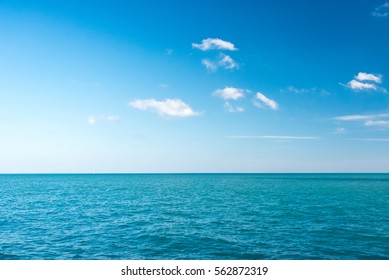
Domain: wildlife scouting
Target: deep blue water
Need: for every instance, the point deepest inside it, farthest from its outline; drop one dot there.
(195, 216)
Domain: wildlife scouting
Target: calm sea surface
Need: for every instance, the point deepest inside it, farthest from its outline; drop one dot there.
(195, 216)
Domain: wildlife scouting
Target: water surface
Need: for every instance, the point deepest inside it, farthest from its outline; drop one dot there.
(194, 216)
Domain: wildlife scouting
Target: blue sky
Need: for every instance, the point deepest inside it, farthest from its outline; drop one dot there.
(194, 86)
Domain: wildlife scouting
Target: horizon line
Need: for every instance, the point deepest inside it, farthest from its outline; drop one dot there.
(193, 173)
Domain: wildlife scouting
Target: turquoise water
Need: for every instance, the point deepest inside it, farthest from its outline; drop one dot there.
(195, 216)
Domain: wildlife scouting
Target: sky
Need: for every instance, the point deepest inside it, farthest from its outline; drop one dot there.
(194, 86)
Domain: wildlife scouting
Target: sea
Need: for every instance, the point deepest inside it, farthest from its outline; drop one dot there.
(194, 217)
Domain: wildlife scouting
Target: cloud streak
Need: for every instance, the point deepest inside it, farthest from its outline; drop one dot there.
(313, 90)
(266, 101)
(380, 120)
(273, 137)
(372, 139)
(354, 117)
(168, 108)
(377, 123)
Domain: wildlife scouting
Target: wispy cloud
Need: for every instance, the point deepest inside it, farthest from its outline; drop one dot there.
(214, 44)
(112, 118)
(297, 90)
(340, 130)
(92, 120)
(266, 101)
(211, 66)
(381, 11)
(377, 123)
(367, 120)
(232, 109)
(227, 62)
(313, 90)
(372, 139)
(273, 137)
(229, 93)
(354, 117)
(168, 107)
(365, 82)
(223, 61)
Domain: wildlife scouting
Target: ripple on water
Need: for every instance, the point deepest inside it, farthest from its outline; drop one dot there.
(210, 216)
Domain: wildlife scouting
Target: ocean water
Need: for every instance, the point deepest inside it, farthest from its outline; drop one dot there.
(194, 216)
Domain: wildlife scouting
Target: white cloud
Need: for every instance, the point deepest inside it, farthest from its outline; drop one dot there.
(91, 120)
(168, 107)
(224, 61)
(356, 85)
(381, 11)
(214, 44)
(368, 77)
(268, 102)
(229, 93)
(298, 91)
(232, 109)
(275, 137)
(367, 120)
(227, 62)
(360, 117)
(112, 118)
(354, 117)
(377, 123)
(313, 90)
(365, 81)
